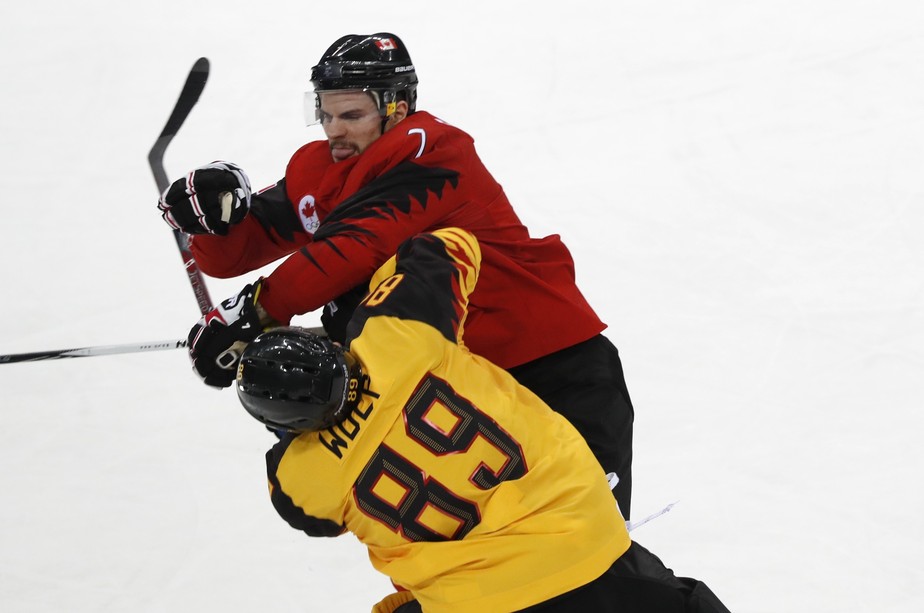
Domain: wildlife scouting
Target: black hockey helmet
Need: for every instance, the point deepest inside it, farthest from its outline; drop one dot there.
(376, 63)
(292, 379)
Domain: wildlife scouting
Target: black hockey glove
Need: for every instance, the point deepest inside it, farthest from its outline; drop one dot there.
(217, 340)
(208, 200)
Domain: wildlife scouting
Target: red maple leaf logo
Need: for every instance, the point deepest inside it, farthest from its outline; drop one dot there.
(308, 209)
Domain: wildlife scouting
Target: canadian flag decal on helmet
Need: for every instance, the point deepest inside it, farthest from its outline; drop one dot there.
(386, 44)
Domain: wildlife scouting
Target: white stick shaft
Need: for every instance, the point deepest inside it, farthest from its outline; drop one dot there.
(83, 352)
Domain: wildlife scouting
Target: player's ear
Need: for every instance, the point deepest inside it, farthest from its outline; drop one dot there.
(398, 116)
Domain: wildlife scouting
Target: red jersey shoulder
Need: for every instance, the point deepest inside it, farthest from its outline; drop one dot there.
(315, 184)
(426, 132)
(304, 174)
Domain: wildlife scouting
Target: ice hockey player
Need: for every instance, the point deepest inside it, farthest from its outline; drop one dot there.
(468, 491)
(386, 172)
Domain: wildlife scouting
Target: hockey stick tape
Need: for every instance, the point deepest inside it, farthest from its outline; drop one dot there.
(227, 201)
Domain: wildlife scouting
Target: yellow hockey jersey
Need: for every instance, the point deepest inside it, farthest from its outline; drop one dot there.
(464, 486)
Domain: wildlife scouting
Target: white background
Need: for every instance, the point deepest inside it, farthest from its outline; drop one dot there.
(740, 184)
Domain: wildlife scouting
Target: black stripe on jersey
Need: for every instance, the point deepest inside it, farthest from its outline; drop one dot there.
(274, 211)
(307, 253)
(394, 191)
(429, 291)
(286, 507)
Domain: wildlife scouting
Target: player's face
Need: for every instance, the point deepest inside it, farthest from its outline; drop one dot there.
(351, 122)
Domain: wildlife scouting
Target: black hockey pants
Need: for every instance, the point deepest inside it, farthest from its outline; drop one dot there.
(638, 582)
(586, 385)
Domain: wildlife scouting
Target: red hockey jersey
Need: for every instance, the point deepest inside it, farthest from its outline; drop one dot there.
(338, 222)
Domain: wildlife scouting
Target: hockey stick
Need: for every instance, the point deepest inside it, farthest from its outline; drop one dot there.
(632, 525)
(83, 352)
(189, 95)
(612, 480)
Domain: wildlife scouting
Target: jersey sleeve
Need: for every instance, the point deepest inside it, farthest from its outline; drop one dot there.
(366, 228)
(284, 504)
(428, 280)
(270, 231)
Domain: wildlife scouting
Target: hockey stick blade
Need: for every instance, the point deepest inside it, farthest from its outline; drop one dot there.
(189, 95)
(85, 352)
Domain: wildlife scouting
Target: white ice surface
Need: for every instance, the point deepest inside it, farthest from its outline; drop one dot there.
(740, 184)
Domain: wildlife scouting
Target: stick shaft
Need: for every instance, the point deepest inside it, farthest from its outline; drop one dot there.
(189, 95)
(85, 352)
